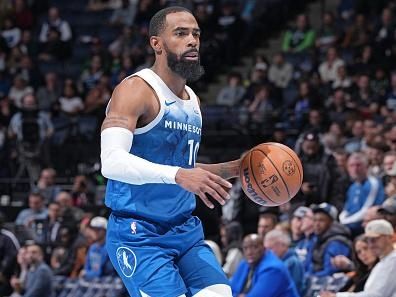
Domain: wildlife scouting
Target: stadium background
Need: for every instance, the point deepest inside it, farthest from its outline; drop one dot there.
(276, 70)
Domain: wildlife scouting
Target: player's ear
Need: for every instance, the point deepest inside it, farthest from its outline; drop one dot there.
(156, 44)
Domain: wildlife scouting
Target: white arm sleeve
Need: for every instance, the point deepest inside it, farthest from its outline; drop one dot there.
(119, 164)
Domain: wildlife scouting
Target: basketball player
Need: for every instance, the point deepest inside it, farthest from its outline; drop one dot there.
(149, 143)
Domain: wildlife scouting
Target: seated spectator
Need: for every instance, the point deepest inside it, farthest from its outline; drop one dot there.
(332, 239)
(9, 247)
(360, 267)
(90, 77)
(70, 103)
(380, 282)
(46, 230)
(365, 191)
(280, 72)
(56, 22)
(328, 69)
(19, 90)
(18, 279)
(231, 240)
(125, 15)
(70, 214)
(305, 244)
(261, 109)
(48, 94)
(23, 15)
(390, 98)
(300, 38)
(46, 185)
(279, 243)
(342, 80)
(82, 192)
(356, 142)
(36, 211)
(97, 263)
(358, 34)
(375, 155)
(295, 224)
(231, 94)
(261, 273)
(11, 33)
(328, 34)
(267, 221)
(388, 211)
(54, 49)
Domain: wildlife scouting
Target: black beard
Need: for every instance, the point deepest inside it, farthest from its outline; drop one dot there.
(191, 71)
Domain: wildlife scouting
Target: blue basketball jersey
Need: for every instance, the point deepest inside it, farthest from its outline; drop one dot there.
(172, 138)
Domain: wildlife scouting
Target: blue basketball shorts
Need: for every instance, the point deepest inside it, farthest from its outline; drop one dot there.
(162, 261)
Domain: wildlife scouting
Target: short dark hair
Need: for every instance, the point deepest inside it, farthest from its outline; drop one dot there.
(157, 22)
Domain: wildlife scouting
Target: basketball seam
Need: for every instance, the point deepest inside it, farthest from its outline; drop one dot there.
(280, 175)
(258, 184)
(298, 168)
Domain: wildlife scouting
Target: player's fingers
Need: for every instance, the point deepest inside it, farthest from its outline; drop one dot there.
(220, 181)
(205, 200)
(215, 195)
(219, 189)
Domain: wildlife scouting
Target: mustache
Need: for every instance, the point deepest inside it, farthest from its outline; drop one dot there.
(195, 51)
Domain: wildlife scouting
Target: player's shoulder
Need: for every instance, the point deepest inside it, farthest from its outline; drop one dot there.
(133, 87)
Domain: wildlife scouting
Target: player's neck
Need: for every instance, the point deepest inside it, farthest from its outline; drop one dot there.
(174, 82)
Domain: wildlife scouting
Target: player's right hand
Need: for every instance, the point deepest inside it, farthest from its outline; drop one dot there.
(202, 182)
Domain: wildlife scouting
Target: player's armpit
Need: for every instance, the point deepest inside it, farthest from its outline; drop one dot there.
(225, 170)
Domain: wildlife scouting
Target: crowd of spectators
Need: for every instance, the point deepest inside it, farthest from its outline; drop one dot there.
(328, 92)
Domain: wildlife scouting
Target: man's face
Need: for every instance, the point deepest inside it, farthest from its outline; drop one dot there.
(307, 222)
(35, 202)
(34, 254)
(253, 249)
(310, 147)
(322, 223)
(265, 224)
(181, 41)
(379, 244)
(357, 170)
(388, 162)
(54, 211)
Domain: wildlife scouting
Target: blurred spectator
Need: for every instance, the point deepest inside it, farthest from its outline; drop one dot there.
(365, 191)
(370, 215)
(9, 247)
(125, 15)
(54, 49)
(97, 98)
(28, 45)
(64, 255)
(126, 42)
(384, 35)
(329, 69)
(82, 195)
(11, 33)
(388, 211)
(70, 103)
(39, 275)
(356, 142)
(90, 77)
(295, 224)
(261, 268)
(231, 94)
(261, 110)
(46, 230)
(23, 15)
(390, 99)
(19, 90)
(332, 239)
(328, 34)
(56, 23)
(300, 38)
(46, 185)
(279, 243)
(231, 240)
(338, 111)
(36, 211)
(305, 244)
(18, 279)
(319, 171)
(342, 80)
(71, 215)
(267, 222)
(98, 263)
(357, 35)
(381, 279)
(375, 155)
(380, 85)
(28, 71)
(280, 72)
(359, 268)
(48, 94)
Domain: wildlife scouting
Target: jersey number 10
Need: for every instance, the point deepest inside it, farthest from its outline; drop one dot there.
(193, 152)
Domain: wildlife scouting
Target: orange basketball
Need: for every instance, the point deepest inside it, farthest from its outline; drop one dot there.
(271, 174)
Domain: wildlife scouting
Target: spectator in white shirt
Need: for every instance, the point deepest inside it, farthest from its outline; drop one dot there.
(70, 103)
(381, 282)
(328, 69)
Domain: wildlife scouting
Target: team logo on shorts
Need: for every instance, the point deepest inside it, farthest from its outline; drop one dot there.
(126, 259)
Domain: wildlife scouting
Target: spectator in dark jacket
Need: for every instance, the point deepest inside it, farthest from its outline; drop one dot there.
(331, 240)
